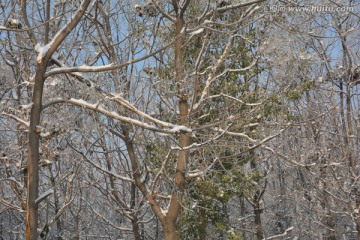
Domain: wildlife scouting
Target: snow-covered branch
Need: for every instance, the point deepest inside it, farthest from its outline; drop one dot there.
(123, 102)
(172, 128)
(45, 52)
(107, 67)
(196, 145)
(214, 69)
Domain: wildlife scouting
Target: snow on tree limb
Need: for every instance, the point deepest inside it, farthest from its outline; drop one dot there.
(172, 128)
(196, 145)
(45, 52)
(123, 102)
(108, 67)
(161, 171)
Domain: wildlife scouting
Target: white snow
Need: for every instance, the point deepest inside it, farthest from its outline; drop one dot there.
(45, 134)
(14, 21)
(164, 211)
(177, 129)
(82, 103)
(142, 124)
(39, 128)
(27, 106)
(252, 125)
(231, 117)
(86, 67)
(200, 30)
(334, 164)
(45, 162)
(41, 50)
(53, 82)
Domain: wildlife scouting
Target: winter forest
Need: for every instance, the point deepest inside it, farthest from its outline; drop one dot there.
(180, 119)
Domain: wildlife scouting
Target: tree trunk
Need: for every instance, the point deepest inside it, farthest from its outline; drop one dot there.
(56, 204)
(257, 212)
(135, 227)
(169, 228)
(202, 224)
(33, 157)
(174, 209)
(256, 202)
(34, 134)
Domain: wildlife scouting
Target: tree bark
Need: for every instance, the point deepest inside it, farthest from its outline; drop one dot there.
(33, 156)
(135, 227)
(169, 228)
(256, 203)
(176, 198)
(257, 212)
(34, 135)
(202, 224)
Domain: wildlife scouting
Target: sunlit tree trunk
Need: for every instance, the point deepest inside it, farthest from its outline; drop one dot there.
(35, 118)
(169, 223)
(33, 156)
